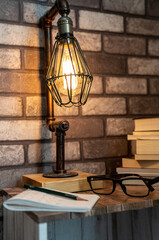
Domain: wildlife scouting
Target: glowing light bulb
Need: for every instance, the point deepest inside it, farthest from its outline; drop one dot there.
(69, 69)
(71, 80)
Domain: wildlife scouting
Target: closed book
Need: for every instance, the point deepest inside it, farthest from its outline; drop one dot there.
(132, 163)
(141, 171)
(145, 157)
(147, 146)
(146, 133)
(73, 184)
(147, 124)
(142, 137)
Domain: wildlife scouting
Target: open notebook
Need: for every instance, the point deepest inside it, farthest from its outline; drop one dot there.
(38, 201)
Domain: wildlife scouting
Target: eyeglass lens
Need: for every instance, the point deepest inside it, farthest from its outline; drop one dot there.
(135, 187)
(102, 186)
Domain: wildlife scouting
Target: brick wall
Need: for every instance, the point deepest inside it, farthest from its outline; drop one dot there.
(120, 42)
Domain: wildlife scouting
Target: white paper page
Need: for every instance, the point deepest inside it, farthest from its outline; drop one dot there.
(30, 200)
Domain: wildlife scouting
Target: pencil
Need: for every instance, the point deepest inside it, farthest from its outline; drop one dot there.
(54, 192)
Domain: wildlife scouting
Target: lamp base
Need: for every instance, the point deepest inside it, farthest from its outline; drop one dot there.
(63, 174)
(74, 184)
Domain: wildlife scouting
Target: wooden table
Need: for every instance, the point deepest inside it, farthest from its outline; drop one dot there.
(114, 217)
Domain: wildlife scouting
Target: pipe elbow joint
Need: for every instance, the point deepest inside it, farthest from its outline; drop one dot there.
(54, 126)
(61, 125)
(62, 6)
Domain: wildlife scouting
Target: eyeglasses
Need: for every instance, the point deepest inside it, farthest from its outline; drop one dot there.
(132, 185)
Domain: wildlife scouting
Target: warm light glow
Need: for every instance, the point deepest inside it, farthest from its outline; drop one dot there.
(70, 67)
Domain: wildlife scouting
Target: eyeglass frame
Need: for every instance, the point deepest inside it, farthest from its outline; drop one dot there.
(118, 178)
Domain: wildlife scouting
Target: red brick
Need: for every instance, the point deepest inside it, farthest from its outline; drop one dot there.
(104, 106)
(21, 82)
(10, 58)
(119, 126)
(142, 26)
(126, 85)
(143, 66)
(23, 130)
(100, 21)
(11, 106)
(102, 63)
(85, 128)
(85, 3)
(153, 7)
(153, 47)
(33, 59)
(126, 6)
(11, 155)
(105, 148)
(89, 167)
(9, 10)
(27, 36)
(154, 86)
(144, 105)
(46, 152)
(124, 45)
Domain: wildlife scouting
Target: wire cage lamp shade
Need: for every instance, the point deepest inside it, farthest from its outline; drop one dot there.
(68, 78)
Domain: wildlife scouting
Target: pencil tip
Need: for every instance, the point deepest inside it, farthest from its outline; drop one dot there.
(82, 199)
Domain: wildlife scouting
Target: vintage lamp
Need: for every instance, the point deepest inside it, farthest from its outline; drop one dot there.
(68, 78)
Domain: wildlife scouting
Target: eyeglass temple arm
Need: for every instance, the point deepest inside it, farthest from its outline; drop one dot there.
(155, 180)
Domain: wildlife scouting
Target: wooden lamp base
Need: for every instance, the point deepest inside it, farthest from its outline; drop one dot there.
(74, 184)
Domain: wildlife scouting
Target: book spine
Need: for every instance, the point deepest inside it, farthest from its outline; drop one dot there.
(151, 172)
(147, 146)
(147, 124)
(146, 157)
(132, 163)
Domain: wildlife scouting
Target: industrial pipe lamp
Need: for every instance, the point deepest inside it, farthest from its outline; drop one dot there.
(68, 78)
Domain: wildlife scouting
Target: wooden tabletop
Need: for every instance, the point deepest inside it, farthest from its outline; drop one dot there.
(116, 202)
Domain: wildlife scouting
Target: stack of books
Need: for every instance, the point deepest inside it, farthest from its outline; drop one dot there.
(146, 157)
